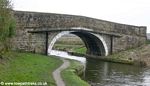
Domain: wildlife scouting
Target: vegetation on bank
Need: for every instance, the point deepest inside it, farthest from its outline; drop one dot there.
(137, 56)
(28, 67)
(71, 48)
(148, 41)
(81, 50)
(7, 26)
(70, 75)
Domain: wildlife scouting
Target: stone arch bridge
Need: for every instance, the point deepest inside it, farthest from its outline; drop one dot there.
(37, 32)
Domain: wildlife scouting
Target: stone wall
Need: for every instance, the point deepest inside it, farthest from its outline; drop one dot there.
(24, 41)
(57, 21)
(127, 42)
(131, 36)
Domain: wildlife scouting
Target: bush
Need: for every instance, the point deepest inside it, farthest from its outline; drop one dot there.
(7, 25)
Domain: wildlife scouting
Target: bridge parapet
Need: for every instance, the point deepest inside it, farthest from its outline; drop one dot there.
(57, 21)
(117, 36)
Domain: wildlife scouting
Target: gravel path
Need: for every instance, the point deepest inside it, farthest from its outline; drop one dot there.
(57, 73)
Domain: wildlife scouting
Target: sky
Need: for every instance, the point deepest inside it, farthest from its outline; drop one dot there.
(132, 12)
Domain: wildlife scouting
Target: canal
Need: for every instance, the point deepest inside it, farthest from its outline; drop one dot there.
(99, 73)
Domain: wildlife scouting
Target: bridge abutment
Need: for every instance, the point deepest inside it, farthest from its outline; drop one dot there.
(35, 31)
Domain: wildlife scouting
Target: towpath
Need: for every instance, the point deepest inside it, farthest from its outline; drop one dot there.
(57, 73)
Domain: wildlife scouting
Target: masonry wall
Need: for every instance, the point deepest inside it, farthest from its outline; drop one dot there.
(127, 42)
(24, 41)
(57, 21)
(131, 36)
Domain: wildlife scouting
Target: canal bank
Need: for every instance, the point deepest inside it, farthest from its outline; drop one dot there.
(70, 76)
(102, 73)
(132, 70)
(136, 56)
(57, 73)
(29, 67)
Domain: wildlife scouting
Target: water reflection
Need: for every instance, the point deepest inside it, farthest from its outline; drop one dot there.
(100, 73)
(64, 54)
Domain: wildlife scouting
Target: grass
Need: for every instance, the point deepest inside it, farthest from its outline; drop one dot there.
(65, 46)
(27, 67)
(81, 50)
(148, 42)
(70, 75)
(131, 56)
(74, 48)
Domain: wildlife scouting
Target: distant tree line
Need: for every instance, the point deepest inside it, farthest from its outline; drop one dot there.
(7, 26)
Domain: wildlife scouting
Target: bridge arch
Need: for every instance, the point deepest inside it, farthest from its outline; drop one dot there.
(95, 44)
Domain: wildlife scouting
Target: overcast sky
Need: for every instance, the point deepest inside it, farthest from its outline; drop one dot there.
(133, 12)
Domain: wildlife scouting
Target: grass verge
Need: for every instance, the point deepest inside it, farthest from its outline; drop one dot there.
(74, 48)
(70, 75)
(81, 50)
(27, 67)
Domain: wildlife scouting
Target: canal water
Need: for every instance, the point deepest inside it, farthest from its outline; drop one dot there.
(64, 54)
(99, 73)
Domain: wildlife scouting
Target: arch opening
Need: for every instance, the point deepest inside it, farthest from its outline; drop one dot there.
(70, 43)
(95, 44)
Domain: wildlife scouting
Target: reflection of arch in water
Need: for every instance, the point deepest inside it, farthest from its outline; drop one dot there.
(94, 43)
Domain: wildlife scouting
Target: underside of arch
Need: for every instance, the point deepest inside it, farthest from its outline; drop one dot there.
(94, 45)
